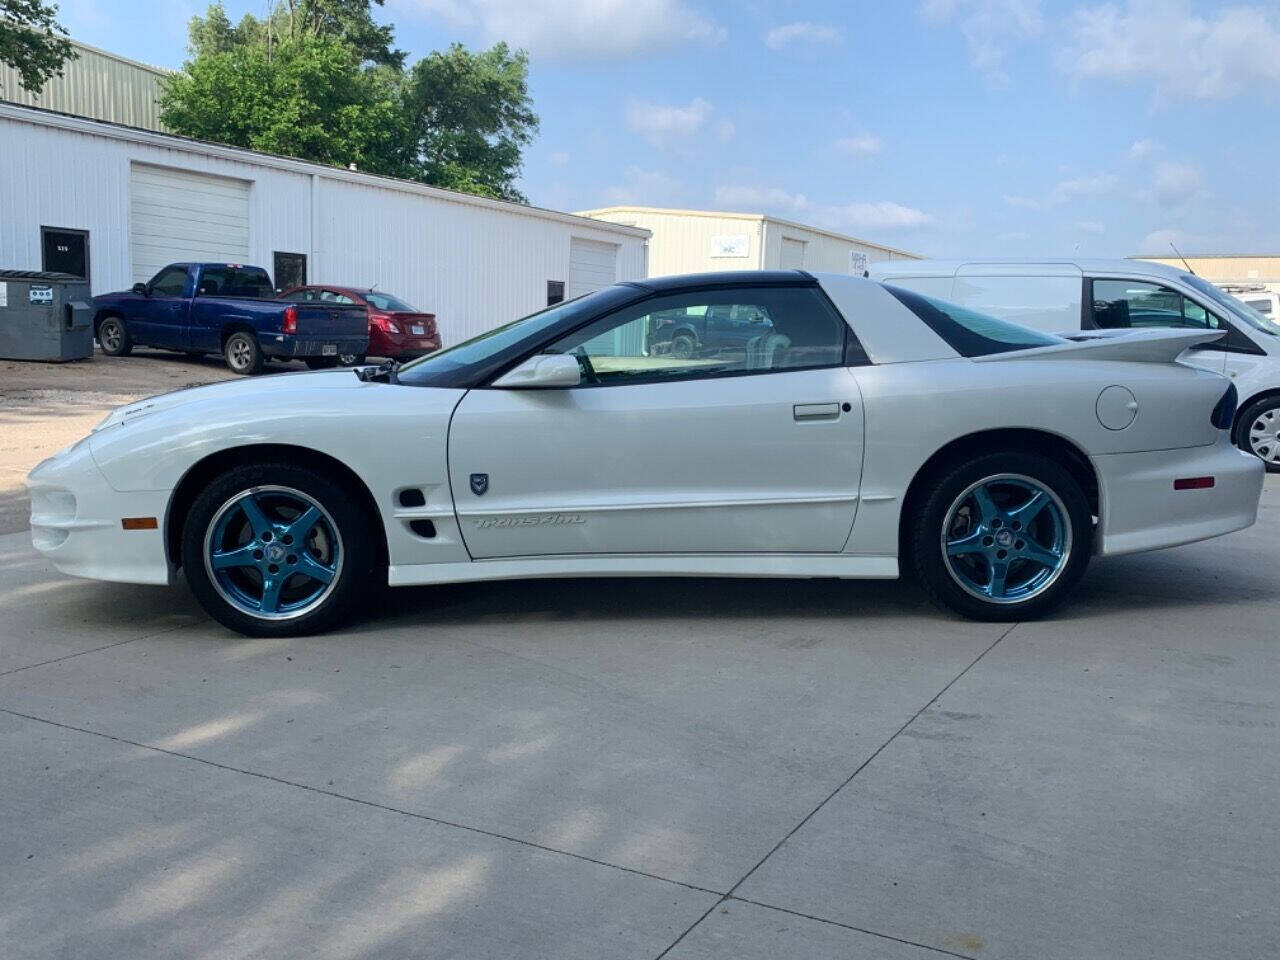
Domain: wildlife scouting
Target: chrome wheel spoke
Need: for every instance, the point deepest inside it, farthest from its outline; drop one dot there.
(1041, 555)
(271, 593)
(1031, 509)
(986, 506)
(301, 525)
(970, 543)
(996, 585)
(253, 512)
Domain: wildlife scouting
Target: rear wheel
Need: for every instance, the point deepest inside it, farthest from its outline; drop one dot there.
(276, 550)
(1259, 431)
(113, 337)
(1003, 537)
(243, 354)
(683, 346)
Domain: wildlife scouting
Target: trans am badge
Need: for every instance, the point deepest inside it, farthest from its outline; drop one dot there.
(479, 484)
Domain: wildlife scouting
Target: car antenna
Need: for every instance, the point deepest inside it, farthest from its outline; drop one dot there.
(1182, 258)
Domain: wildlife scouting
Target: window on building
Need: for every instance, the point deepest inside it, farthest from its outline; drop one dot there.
(555, 292)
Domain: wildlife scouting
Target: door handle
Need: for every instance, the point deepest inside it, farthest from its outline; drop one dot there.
(806, 412)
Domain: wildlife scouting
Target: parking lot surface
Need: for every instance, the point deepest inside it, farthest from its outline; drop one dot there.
(657, 768)
(689, 769)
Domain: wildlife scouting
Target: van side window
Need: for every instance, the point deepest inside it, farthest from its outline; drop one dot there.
(1125, 304)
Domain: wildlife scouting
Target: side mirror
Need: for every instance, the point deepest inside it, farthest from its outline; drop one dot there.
(141, 288)
(544, 370)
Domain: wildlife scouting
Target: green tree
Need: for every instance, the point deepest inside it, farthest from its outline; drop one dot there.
(469, 117)
(32, 41)
(320, 80)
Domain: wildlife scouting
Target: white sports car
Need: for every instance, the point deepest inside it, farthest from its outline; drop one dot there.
(806, 426)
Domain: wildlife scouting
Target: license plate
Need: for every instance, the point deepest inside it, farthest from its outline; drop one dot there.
(417, 330)
(329, 350)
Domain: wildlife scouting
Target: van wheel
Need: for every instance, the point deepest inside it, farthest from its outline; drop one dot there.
(243, 354)
(113, 337)
(1003, 537)
(1259, 432)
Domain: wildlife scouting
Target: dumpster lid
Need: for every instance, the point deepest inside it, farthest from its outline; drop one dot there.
(44, 276)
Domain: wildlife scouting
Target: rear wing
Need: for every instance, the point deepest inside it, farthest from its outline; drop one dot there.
(1134, 346)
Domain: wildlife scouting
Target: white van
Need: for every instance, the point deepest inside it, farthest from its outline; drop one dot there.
(1066, 296)
(1256, 296)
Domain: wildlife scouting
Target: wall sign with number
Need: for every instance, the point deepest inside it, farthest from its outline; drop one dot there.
(736, 245)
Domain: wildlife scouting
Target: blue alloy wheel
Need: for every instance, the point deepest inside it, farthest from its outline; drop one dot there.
(1006, 539)
(273, 553)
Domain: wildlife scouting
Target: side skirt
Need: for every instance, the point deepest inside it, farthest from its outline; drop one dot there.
(653, 565)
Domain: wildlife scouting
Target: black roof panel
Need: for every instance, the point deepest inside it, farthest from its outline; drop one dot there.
(724, 278)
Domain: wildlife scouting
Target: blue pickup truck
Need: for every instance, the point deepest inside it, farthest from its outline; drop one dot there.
(230, 309)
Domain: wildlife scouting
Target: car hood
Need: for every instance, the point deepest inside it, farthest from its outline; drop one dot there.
(249, 391)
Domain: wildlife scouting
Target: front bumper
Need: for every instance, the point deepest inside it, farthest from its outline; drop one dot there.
(1141, 510)
(76, 521)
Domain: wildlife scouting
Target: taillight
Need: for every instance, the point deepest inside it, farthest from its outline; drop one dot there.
(1224, 414)
(385, 323)
(290, 319)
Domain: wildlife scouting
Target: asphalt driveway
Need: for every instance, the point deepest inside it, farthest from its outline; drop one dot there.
(689, 769)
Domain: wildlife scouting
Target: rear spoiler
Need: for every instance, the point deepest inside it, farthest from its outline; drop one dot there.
(1134, 346)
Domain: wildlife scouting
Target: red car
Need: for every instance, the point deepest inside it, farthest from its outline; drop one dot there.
(396, 330)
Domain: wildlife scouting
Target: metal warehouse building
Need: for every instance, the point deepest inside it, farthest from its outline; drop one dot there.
(693, 241)
(115, 203)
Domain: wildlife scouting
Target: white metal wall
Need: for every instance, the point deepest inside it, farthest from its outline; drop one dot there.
(475, 263)
(96, 84)
(179, 215)
(823, 252)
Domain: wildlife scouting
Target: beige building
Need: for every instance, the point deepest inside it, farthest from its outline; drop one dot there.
(98, 85)
(1244, 270)
(696, 241)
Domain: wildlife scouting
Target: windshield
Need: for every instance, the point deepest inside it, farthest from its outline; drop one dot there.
(967, 332)
(469, 363)
(1238, 309)
(385, 301)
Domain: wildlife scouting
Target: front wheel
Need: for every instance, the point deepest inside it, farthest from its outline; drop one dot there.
(1003, 537)
(275, 549)
(243, 354)
(113, 337)
(1259, 432)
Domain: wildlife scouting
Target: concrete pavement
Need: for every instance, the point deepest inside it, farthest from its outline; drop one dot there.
(688, 769)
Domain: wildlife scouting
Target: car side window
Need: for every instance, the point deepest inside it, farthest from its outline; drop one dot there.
(1125, 304)
(301, 296)
(676, 337)
(170, 282)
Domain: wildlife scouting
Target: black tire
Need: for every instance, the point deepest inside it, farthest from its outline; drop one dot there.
(683, 346)
(355, 545)
(320, 363)
(242, 353)
(931, 526)
(1262, 416)
(113, 337)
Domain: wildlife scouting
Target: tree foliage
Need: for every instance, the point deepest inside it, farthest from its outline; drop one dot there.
(32, 41)
(321, 80)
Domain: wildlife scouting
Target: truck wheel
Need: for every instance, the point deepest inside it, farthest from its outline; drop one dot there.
(683, 346)
(276, 549)
(243, 354)
(113, 337)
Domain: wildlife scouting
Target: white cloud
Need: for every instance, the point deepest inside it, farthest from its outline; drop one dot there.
(1065, 191)
(1156, 243)
(594, 29)
(1026, 203)
(1176, 183)
(802, 31)
(663, 123)
(559, 158)
(1184, 55)
(862, 145)
(989, 27)
(881, 215)
(1095, 227)
(1141, 149)
(649, 188)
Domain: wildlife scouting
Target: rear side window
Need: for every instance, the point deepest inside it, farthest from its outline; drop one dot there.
(232, 281)
(1130, 304)
(967, 332)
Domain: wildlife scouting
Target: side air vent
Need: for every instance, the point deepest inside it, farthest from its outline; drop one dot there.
(423, 528)
(412, 497)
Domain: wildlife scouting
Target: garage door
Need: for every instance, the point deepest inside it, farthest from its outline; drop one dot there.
(177, 215)
(792, 254)
(592, 265)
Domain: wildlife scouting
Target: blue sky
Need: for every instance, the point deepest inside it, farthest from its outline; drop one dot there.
(948, 127)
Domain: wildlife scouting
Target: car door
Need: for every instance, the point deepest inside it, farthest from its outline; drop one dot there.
(157, 319)
(748, 448)
(1116, 303)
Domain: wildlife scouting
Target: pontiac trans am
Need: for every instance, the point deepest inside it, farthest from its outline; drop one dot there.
(856, 430)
